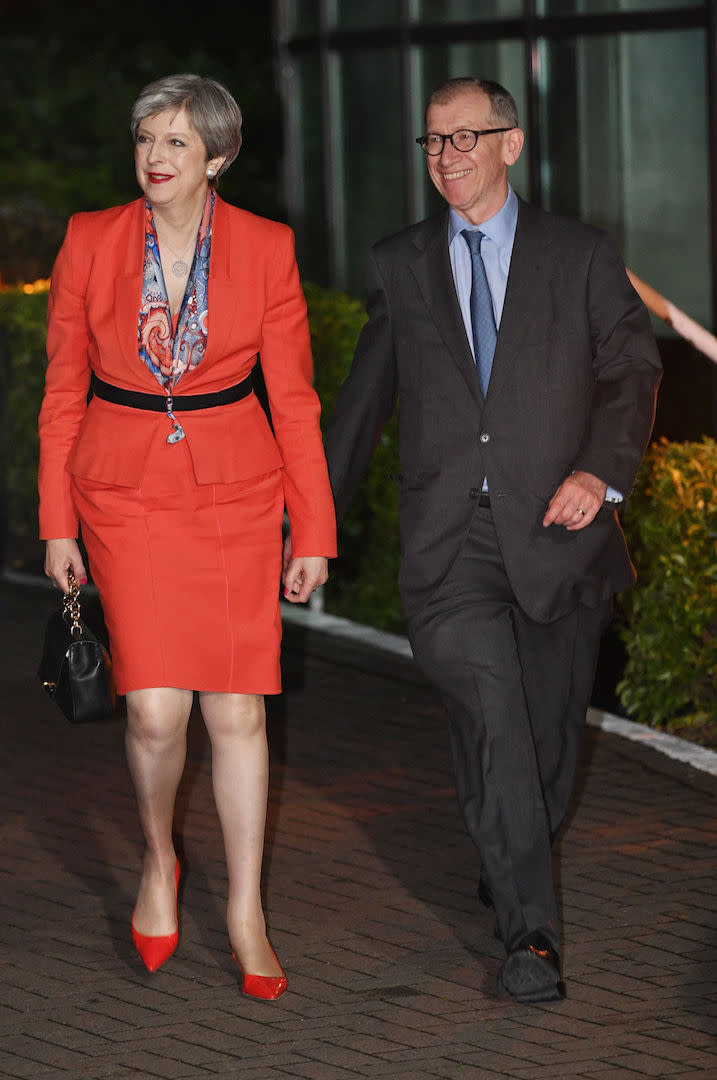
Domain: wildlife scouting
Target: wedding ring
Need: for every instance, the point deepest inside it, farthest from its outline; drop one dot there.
(581, 511)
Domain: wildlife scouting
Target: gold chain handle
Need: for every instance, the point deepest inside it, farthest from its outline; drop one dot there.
(71, 605)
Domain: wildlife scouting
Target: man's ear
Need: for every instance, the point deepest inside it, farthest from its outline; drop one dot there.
(512, 145)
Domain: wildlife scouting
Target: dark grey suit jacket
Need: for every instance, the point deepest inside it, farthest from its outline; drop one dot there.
(573, 386)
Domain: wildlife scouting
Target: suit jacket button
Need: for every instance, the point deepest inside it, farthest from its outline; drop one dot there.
(474, 493)
(485, 437)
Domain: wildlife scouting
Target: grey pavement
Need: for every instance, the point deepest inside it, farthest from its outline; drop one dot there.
(370, 893)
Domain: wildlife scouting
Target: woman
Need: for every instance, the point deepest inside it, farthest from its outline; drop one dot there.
(180, 484)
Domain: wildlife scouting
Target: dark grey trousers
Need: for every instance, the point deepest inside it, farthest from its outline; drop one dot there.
(516, 693)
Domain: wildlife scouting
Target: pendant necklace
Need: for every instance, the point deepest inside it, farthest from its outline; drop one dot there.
(180, 268)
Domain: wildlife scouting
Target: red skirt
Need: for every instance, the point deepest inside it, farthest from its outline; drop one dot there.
(188, 575)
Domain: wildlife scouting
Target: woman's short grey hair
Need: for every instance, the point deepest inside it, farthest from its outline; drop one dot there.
(213, 112)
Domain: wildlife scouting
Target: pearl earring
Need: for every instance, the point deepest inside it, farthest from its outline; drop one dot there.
(210, 174)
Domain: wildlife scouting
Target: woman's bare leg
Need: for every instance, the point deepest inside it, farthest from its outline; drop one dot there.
(240, 769)
(156, 742)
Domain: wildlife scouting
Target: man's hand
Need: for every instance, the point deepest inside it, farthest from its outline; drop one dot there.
(576, 502)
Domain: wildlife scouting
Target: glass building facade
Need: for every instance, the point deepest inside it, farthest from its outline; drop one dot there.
(616, 97)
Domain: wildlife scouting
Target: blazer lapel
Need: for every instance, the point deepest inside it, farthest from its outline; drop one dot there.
(525, 303)
(227, 290)
(432, 270)
(128, 284)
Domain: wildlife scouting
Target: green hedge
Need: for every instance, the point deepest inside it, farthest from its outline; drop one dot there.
(669, 620)
(362, 583)
(22, 377)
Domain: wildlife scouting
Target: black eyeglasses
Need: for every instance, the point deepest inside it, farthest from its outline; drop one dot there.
(463, 140)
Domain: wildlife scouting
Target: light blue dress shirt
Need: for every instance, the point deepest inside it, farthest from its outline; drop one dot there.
(496, 250)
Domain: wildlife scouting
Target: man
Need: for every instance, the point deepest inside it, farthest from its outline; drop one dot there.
(515, 452)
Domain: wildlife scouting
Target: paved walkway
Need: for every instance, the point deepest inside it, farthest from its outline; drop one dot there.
(371, 897)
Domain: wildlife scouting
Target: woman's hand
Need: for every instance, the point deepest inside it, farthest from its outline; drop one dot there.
(60, 556)
(302, 575)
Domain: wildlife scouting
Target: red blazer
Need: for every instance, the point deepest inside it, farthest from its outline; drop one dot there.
(256, 305)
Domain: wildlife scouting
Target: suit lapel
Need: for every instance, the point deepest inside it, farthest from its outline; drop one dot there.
(128, 283)
(432, 270)
(524, 292)
(226, 290)
(525, 301)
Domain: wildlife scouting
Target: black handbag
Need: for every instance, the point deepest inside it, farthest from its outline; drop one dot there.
(75, 669)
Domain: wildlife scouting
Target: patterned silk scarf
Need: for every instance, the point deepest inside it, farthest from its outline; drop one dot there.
(168, 353)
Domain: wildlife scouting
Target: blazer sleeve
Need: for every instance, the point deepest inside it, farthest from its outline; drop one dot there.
(66, 385)
(287, 366)
(367, 397)
(627, 370)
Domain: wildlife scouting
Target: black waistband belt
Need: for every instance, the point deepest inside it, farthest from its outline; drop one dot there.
(135, 399)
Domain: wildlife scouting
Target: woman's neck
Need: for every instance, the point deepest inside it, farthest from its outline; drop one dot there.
(180, 222)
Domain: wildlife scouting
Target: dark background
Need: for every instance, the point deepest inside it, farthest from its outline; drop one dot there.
(69, 74)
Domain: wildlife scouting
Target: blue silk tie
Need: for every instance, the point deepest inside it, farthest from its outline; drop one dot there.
(482, 318)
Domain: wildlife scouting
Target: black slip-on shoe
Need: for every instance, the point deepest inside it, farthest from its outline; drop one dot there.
(531, 972)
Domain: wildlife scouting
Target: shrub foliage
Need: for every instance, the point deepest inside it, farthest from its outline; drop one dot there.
(362, 583)
(669, 620)
(22, 378)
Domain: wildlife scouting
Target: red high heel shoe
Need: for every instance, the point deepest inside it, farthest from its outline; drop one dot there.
(266, 987)
(155, 951)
